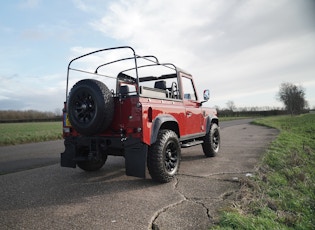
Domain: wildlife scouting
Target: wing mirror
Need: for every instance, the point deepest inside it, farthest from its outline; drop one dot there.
(206, 95)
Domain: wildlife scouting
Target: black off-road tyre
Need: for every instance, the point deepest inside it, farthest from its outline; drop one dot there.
(211, 142)
(92, 166)
(90, 107)
(164, 156)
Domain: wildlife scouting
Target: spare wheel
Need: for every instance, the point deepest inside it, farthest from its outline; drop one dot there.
(90, 107)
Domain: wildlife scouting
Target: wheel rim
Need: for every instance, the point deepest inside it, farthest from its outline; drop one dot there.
(216, 140)
(84, 108)
(171, 158)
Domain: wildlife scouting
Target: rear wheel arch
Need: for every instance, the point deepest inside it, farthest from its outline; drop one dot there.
(163, 122)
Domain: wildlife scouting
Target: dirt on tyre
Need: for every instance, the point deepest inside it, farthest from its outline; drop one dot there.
(164, 156)
(211, 142)
(90, 107)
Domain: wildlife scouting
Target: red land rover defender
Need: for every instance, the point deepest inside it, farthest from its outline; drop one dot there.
(136, 107)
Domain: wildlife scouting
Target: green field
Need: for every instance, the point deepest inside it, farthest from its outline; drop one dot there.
(282, 193)
(18, 133)
(27, 132)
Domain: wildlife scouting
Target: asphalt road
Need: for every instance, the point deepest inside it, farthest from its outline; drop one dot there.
(36, 193)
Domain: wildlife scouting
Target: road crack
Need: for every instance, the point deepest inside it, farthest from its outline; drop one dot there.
(152, 224)
(204, 202)
(196, 200)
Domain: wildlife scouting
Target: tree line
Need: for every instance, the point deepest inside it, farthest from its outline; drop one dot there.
(247, 112)
(27, 116)
(292, 96)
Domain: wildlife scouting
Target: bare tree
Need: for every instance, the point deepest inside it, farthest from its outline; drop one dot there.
(58, 112)
(293, 97)
(231, 105)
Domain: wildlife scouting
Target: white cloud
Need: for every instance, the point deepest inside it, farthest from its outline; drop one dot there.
(165, 28)
(237, 48)
(41, 93)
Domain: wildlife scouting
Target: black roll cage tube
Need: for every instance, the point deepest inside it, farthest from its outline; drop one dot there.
(135, 57)
(124, 59)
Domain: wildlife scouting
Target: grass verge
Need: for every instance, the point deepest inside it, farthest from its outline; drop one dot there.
(19, 133)
(282, 193)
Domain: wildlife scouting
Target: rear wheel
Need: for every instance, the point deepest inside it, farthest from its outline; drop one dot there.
(164, 156)
(211, 142)
(92, 164)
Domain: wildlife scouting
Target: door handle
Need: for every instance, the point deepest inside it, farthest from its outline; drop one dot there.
(188, 114)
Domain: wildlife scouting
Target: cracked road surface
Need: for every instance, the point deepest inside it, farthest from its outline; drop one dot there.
(51, 197)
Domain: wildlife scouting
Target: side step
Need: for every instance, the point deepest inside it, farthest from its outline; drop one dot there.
(190, 144)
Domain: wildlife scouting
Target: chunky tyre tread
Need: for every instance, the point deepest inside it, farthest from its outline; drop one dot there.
(210, 148)
(156, 157)
(103, 102)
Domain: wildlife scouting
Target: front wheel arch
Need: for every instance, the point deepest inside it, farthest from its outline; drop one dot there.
(211, 120)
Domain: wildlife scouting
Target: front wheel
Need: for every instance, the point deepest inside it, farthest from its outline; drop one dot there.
(164, 156)
(211, 142)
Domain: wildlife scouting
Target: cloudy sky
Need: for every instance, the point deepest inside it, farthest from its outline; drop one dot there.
(241, 50)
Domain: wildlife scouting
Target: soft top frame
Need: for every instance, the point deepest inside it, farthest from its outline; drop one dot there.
(150, 58)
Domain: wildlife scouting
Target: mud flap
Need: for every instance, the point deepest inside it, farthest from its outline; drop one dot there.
(67, 157)
(136, 160)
